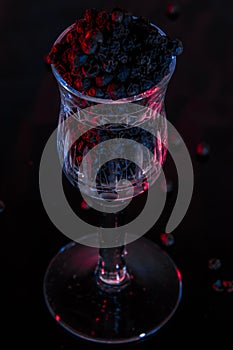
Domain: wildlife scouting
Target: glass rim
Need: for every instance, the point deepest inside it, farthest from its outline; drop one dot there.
(138, 97)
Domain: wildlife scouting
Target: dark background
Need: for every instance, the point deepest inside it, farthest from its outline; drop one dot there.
(199, 103)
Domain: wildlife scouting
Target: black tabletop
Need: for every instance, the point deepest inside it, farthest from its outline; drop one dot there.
(198, 103)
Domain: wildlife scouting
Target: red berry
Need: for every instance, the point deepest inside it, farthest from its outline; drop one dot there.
(117, 15)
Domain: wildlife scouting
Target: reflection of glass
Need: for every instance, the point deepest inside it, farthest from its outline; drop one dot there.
(121, 293)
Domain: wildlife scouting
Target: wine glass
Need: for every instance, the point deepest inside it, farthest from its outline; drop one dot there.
(112, 285)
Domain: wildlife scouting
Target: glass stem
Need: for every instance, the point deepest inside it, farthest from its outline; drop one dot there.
(111, 270)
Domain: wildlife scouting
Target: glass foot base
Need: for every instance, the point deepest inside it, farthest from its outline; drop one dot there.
(137, 311)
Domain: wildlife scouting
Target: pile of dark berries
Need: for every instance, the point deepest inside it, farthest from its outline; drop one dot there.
(112, 54)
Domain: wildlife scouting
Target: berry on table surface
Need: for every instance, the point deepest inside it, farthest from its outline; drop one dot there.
(173, 11)
(202, 150)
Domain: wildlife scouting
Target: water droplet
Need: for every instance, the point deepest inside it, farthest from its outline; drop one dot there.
(214, 264)
(167, 239)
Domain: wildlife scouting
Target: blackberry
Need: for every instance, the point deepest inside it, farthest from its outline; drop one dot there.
(103, 49)
(166, 60)
(160, 59)
(137, 72)
(67, 77)
(123, 73)
(164, 70)
(140, 32)
(133, 89)
(117, 15)
(143, 59)
(157, 77)
(111, 88)
(92, 92)
(152, 38)
(115, 47)
(80, 26)
(90, 15)
(89, 43)
(68, 56)
(151, 68)
(120, 92)
(143, 21)
(97, 36)
(102, 19)
(110, 65)
(122, 57)
(176, 47)
(146, 84)
(153, 54)
(81, 84)
(80, 60)
(89, 46)
(70, 38)
(115, 91)
(91, 69)
(127, 19)
(162, 42)
(152, 59)
(119, 31)
(102, 57)
(55, 53)
(128, 44)
(61, 68)
(99, 93)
